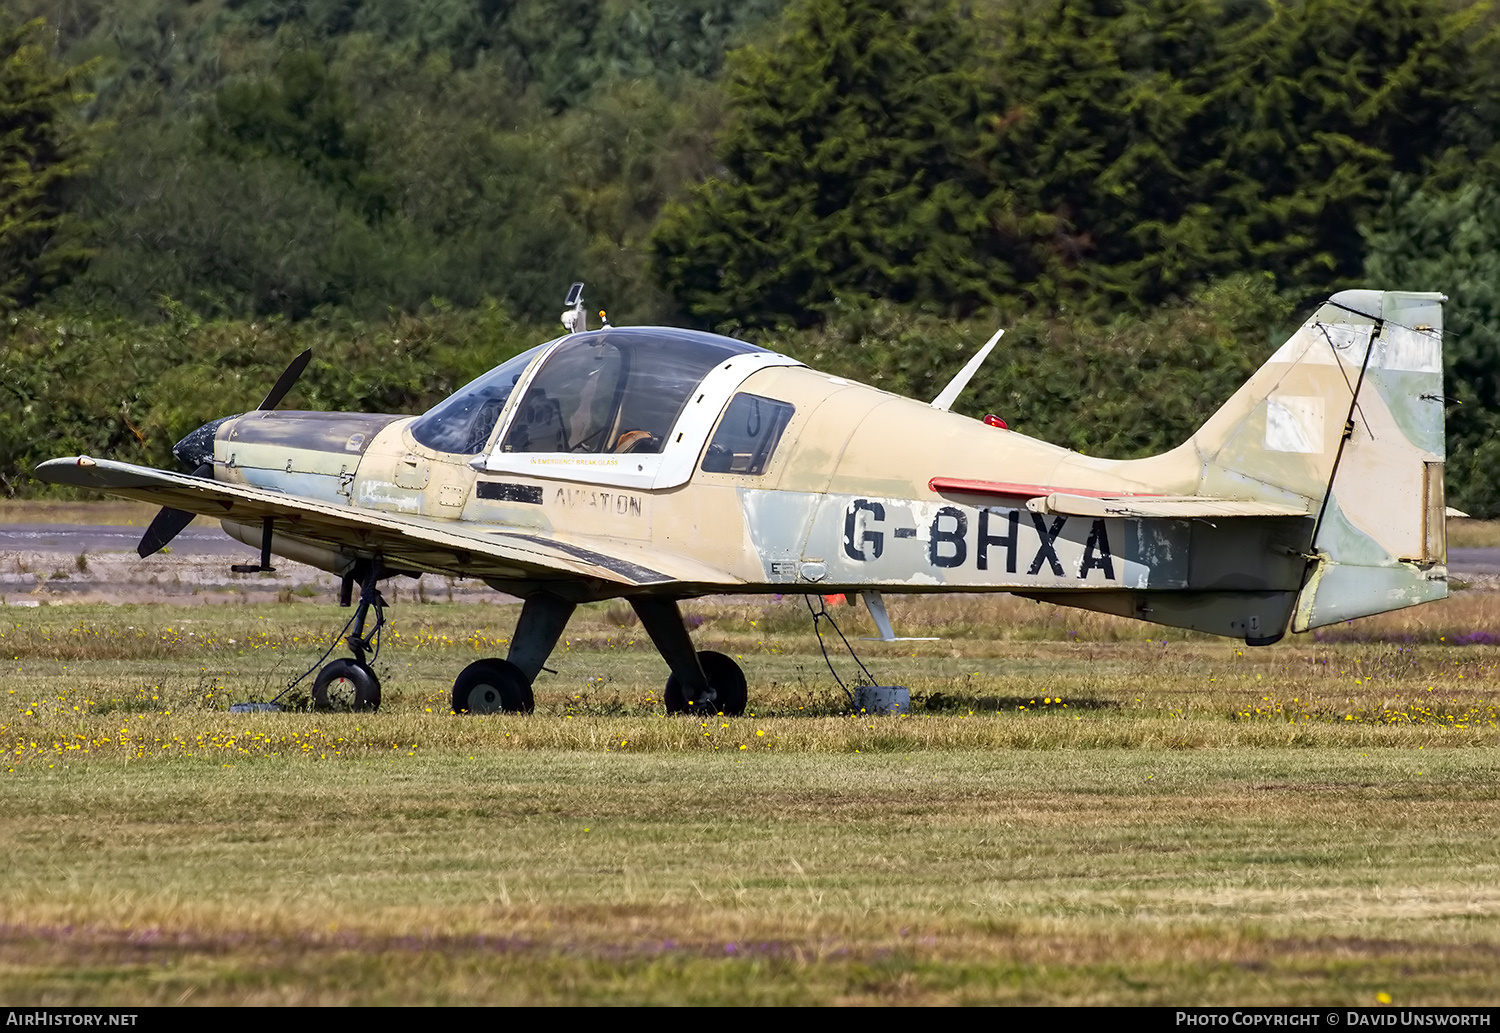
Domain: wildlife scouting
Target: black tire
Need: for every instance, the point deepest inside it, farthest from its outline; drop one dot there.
(491, 687)
(346, 684)
(724, 677)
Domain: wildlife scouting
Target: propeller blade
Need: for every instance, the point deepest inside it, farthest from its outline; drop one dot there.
(286, 380)
(168, 523)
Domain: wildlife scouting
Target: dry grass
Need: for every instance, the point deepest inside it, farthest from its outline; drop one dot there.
(1044, 678)
(1473, 534)
(1081, 810)
(1244, 876)
(53, 511)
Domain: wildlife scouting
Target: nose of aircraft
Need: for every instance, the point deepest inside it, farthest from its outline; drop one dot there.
(197, 448)
(197, 452)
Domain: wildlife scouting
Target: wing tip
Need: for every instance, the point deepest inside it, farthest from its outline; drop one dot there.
(65, 470)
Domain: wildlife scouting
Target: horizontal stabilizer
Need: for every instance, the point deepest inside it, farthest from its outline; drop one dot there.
(1012, 490)
(1162, 507)
(1085, 502)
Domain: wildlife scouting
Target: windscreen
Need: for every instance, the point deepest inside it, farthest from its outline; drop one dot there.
(462, 422)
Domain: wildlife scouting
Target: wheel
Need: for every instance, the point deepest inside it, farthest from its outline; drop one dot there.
(346, 684)
(490, 686)
(724, 677)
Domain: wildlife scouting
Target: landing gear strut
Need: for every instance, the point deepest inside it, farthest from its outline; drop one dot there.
(701, 683)
(350, 684)
(492, 685)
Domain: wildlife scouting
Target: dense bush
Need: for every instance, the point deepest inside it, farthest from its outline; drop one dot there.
(108, 386)
(112, 387)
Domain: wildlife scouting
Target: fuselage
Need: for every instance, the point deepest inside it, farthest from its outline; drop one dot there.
(783, 478)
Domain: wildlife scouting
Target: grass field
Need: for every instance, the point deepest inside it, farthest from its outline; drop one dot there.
(1079, 810)
(119, 512)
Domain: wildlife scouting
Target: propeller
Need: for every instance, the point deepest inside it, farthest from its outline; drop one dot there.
(285, 381)
(168, 523)
(197, 450)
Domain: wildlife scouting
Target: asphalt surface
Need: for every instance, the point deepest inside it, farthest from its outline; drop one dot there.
(1474, 561)
(73, 539)
(41, 563)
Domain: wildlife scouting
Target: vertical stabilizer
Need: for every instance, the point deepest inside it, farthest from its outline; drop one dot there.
(1381, 541)
(1346, 419)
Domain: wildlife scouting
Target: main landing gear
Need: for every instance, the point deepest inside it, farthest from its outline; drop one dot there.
(701, 682)
(726, 683)
(491, 686)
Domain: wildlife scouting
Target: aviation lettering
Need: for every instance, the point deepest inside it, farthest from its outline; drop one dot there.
(1096, 555)
(1013, 518)
(854, 547)
(608, 501)
(954, 537)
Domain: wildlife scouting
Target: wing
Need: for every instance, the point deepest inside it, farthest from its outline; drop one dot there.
(489, 551)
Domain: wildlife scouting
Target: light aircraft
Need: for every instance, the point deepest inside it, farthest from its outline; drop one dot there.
(657, 465)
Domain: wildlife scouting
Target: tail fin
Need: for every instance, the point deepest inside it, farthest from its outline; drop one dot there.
(1347, 419)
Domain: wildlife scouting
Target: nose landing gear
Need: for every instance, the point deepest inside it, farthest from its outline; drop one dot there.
(346, 684)
(350, 683)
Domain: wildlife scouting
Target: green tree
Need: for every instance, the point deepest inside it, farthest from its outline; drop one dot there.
(620, 156)
(44, 149)
(849, 166)
(1450, 242)
(563, 49)
(304, 114)
(1321, 104)
(238, 237)
(1106, 130)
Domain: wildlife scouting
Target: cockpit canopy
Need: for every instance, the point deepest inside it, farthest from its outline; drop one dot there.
(618, 390)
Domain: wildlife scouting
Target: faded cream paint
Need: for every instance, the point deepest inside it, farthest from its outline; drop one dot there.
(1260, 467)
